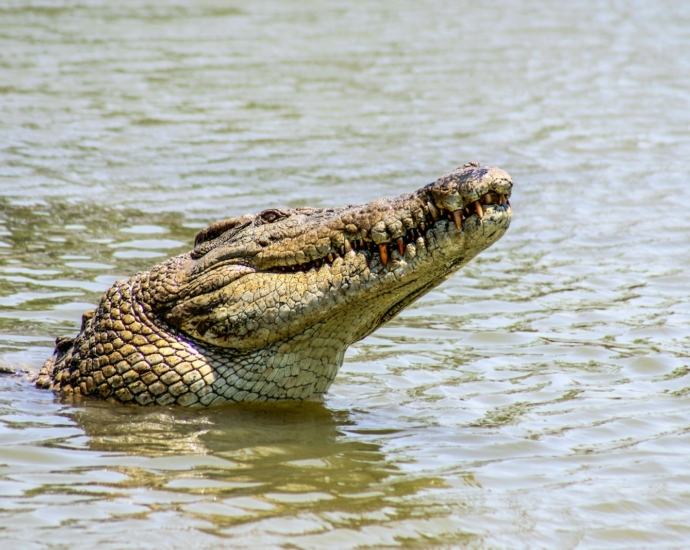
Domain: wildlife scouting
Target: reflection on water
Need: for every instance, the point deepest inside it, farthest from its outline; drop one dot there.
(225, 470)
(539, 398)
(275, 458)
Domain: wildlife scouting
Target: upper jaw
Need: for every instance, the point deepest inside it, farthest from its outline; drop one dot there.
(305, 238)
(385, 226)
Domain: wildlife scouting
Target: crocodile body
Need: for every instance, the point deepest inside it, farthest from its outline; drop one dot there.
(265, 305)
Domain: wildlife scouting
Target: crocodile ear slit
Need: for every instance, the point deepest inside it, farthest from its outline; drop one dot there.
(214, 230)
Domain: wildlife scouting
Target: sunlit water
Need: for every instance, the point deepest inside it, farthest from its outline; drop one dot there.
(538, 399)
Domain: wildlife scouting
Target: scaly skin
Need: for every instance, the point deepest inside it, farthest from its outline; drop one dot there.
(265, 305)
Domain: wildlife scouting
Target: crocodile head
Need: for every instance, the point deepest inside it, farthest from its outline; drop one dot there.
(332, 274)
(266, 304)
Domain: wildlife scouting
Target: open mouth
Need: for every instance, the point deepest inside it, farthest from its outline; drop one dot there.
(432, 215)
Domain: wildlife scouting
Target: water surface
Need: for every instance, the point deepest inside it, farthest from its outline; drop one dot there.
(538, 399)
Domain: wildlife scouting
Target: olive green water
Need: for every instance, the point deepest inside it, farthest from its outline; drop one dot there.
(538, 399)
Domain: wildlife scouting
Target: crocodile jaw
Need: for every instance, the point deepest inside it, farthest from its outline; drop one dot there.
(341, 272)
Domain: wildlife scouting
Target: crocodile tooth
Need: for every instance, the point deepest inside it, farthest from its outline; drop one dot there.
(360, 244)
(401, 245)
(342, 250)
(330, 257)
(383, 251)
(433, 211)
(479, 209)
(347, 247)
(487, 199)
(457, 218)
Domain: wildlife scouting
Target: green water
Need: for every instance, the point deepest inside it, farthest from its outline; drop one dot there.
(538, 399)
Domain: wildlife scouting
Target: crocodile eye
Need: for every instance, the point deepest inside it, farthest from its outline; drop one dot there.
(270, 216)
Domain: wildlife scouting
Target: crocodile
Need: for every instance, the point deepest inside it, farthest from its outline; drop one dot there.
(265, 305)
